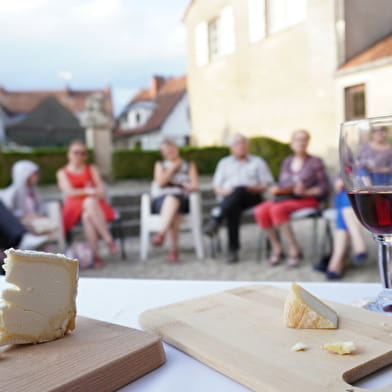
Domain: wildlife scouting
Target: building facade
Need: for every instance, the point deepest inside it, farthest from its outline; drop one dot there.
(268, 67)
(154, 114)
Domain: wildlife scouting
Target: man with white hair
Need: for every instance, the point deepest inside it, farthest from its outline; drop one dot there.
(238, 182)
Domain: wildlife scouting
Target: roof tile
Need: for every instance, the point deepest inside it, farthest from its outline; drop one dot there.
(379, 50)
(167, 97)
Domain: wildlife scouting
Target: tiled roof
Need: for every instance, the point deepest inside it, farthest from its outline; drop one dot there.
(379, 50)
(166, 99)
(74, 100)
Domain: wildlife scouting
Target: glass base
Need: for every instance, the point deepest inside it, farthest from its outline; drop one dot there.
(379, 308)
(381, 304)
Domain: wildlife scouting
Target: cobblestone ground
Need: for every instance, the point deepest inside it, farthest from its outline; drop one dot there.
(248, 269)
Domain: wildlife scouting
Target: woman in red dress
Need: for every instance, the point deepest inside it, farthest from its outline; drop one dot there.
(82, 186)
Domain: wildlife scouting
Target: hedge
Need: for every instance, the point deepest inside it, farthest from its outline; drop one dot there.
(138, 164)
(48, 159)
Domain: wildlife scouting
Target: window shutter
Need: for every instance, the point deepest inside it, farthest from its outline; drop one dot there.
(201, 44)
(256, 19)
(227, 32)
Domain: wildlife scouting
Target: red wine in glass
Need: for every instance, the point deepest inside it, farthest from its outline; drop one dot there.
(365, 149)
(374, 209)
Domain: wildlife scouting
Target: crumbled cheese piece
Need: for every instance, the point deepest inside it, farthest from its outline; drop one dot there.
(299, 347)
(341, 348)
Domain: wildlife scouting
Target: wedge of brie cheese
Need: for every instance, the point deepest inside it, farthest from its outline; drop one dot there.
(304, 310)
(40, 304)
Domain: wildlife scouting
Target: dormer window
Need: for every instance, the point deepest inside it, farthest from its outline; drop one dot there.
(137, 118)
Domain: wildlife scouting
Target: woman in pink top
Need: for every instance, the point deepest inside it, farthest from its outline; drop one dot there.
(302, 183)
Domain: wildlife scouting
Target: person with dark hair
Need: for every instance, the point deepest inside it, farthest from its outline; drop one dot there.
(83, 188)
(238, 182)
(174, 179)
(14, 235)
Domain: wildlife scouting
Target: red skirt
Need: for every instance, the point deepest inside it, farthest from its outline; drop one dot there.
(73, 208)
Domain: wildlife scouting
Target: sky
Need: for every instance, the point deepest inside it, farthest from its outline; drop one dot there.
(46, 44)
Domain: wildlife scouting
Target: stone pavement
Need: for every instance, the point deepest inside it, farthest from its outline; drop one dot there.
(248, 269)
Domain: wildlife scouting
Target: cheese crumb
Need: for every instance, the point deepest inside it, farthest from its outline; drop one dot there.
(341, 348)
(299, 347)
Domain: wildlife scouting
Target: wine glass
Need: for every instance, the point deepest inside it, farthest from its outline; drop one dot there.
(365, 150)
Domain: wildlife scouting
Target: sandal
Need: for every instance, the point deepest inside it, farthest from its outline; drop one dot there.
(98, 263)
(158, 239)
(293, 261)
(275, 259)
(172, 257)
(113, 248)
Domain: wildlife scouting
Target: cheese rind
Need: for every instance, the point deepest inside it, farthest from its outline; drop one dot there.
(41, 304)
(304, 310)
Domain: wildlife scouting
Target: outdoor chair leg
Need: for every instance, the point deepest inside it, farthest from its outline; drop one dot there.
(121, 237)
(212, 247)
(315, 241)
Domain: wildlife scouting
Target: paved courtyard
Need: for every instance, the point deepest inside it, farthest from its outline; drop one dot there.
(248, 269)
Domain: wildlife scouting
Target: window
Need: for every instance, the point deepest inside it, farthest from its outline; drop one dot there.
(355, 102)
(284, 13)
(137, 118)
(215, 38)
(270, 16)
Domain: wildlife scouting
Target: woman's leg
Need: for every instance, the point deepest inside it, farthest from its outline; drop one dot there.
(289, 236)
(169, 212)
(280, 214)
(336, 263)
(173, 234)
(90, 232)
(262, 214)
(355, 230)
(93, 209)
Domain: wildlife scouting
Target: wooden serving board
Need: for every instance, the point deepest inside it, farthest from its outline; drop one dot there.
(97, 356)
(240, 333)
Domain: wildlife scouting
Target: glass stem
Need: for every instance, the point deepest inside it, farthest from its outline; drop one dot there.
(385, 259)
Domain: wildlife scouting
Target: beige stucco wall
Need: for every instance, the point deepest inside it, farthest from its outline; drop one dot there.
(271, 87)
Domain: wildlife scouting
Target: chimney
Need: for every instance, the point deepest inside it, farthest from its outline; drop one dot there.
(156, 83)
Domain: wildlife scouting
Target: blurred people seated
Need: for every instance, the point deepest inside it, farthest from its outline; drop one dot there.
(238, 182)
(347, 228)
(23, 199)
(84, 194)
(375, 158)
(303, 182)
(174, 179)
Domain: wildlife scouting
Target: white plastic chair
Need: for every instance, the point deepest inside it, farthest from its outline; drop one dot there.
(151, 223)
(54, 214)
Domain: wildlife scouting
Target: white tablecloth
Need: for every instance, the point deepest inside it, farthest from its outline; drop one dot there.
(120, 301)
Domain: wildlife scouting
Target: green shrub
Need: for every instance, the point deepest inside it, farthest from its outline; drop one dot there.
(48, 159)
(205, 158)
(271, 150)
(134, 163)
(139, 164)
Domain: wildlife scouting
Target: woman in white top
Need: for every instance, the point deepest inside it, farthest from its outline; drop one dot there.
(174, 179)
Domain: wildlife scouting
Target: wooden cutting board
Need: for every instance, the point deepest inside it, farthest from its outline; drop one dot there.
(240, 333)
(97, 356)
